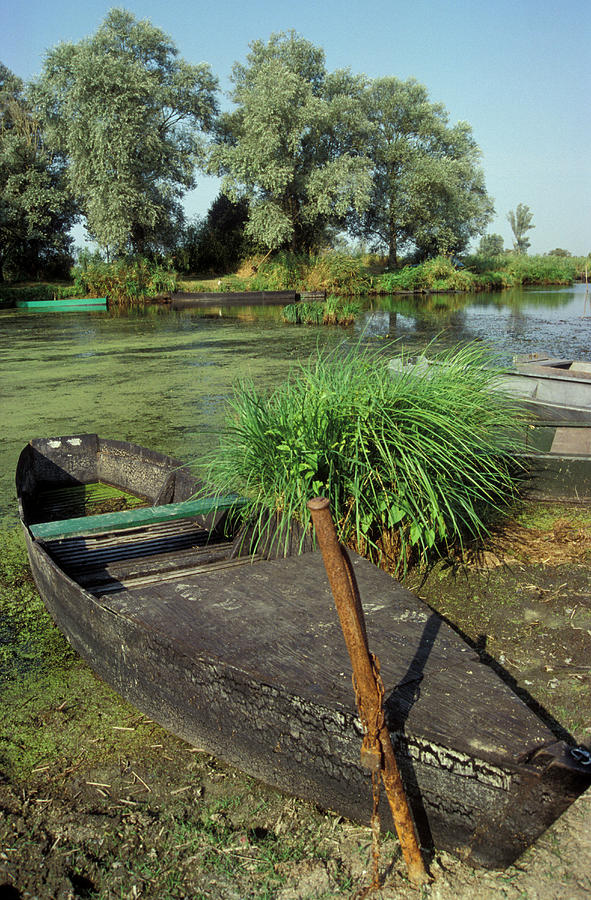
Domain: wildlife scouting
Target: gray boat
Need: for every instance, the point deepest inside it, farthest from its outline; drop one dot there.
(552, 388)
(557, 438)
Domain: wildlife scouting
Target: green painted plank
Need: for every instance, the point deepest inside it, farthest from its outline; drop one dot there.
(68, 303)
(132, 518)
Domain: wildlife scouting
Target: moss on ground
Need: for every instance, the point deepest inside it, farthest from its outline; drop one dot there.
(29, 644)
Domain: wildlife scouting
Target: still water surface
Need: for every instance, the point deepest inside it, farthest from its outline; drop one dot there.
(163, 379)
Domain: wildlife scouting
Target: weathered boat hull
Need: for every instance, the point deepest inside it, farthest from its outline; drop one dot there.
(246, 660)
(559, 464)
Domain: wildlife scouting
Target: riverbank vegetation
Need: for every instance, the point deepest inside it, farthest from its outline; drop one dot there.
(357, 274)
(411, 464)
(336, 274)
(122, 281)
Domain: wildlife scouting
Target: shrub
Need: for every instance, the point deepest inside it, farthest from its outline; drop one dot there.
(409, 461)
(124, 281)
(514, 269)
(339, 274)
(409, 278)
(282, 272)
(47, 291)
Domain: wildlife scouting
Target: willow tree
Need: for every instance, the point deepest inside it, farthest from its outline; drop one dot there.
(128, 114)
(289, 147)
(428, 192)
(36, 210)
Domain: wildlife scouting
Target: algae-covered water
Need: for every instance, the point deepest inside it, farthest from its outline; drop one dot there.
(162, 379)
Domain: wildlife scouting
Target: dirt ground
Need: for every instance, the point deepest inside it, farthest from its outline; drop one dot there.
(96, 801)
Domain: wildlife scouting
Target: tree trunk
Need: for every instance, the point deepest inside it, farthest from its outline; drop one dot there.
(392, 250)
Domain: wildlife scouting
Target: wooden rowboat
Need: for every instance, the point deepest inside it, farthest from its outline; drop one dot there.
(557, 390)
(67, 304)
(241, 654)
(552, 388)
(558, 458)
(557, 436)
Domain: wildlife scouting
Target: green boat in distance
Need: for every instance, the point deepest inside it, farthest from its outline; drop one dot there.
(67, 303)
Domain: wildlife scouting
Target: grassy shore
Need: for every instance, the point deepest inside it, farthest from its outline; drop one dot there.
(360, 275)
(336, 274)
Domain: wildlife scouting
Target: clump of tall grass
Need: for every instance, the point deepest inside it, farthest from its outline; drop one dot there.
(338, 273)
(304, 313)
(411, 461)
(332, 311)
(339, 311)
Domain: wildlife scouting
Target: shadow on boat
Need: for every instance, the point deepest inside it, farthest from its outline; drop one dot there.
(479, 646)
(397, 707)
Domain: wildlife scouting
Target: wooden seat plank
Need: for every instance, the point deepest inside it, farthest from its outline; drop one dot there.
(115, 521)
(576, 441)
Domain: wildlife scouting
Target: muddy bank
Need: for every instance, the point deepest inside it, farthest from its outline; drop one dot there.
(97, 801)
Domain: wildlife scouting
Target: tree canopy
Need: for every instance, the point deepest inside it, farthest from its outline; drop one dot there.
(114, 131)
(520, 222)
(428, 191)
(289, 147)
(126, 112)
(36, 210)
(216, 243)
(491, 245)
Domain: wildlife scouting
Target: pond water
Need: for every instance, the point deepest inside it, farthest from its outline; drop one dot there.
(163, 379)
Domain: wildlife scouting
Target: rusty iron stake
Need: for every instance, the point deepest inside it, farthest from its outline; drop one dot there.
(344, 588)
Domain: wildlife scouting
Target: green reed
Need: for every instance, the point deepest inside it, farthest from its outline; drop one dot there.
(411, 461)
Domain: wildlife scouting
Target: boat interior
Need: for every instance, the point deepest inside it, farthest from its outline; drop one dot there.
(145, 527)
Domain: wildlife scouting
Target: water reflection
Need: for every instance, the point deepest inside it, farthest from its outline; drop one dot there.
(514, 321)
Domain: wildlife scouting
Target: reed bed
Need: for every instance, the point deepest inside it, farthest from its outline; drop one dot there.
(412, 462)
(332, 311)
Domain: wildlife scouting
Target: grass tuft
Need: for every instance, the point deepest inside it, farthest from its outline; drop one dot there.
(411, 462)
(332, 311)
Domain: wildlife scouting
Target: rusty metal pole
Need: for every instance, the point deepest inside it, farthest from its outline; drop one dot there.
(350, 611)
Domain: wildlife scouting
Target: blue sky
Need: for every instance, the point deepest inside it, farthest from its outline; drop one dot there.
(519, 72)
